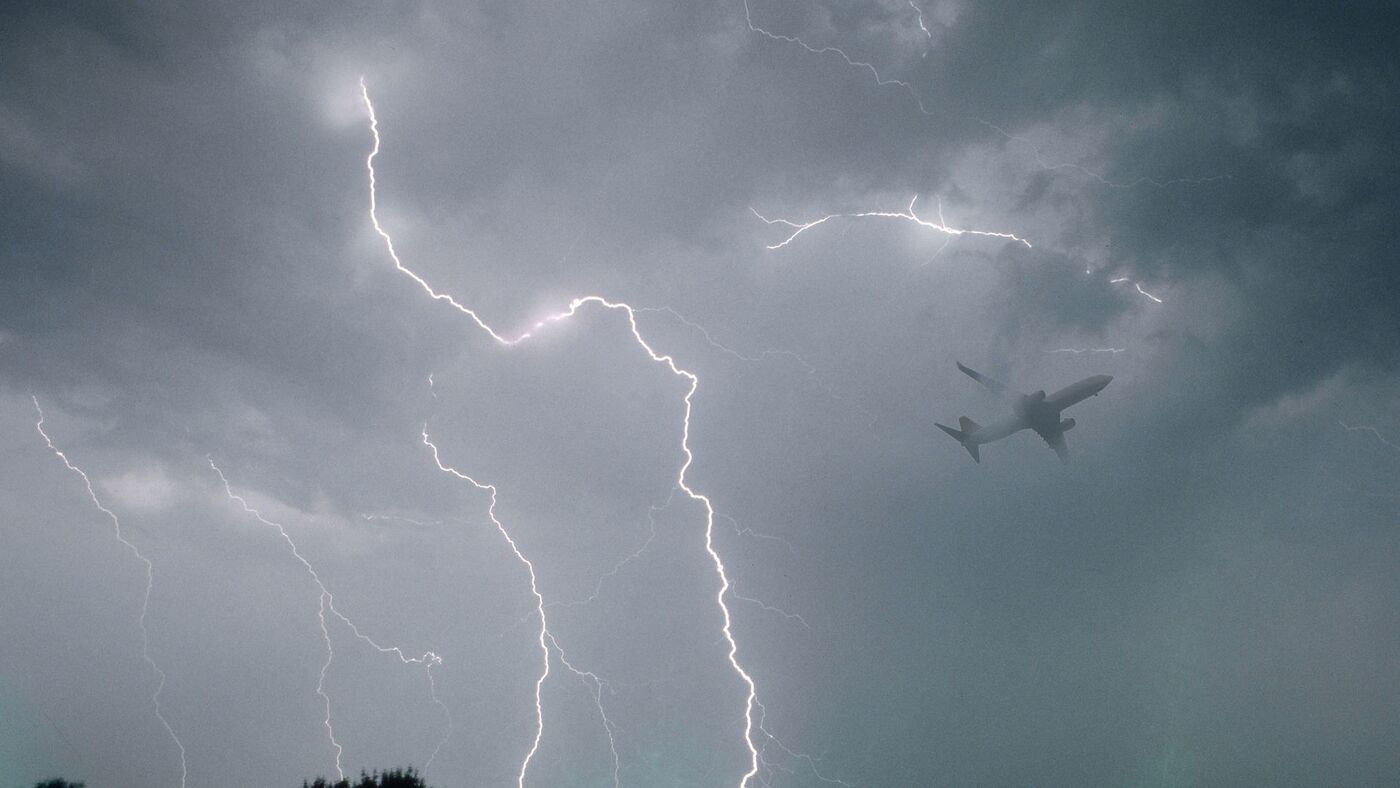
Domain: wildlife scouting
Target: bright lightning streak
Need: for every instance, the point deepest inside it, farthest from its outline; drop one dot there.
(908, 215)
(145, 598)
(327, 602)
(920, 12)
(1123, 279)
(669, 362)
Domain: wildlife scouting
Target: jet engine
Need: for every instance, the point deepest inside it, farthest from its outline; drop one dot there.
(1066, 425)
(1037, 396)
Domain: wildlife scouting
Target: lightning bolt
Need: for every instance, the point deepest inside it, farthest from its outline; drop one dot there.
(1125, 280)
(907, 215)
(693, 382)
(772, 609)
(598, 685)
(920, 16)
(145, 597)
(534, 589)
(850, 61)
(327, 602)
(1374, 433)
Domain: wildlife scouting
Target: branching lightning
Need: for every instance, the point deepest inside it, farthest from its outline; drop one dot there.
(850, 61)
(145, 597)
(327, 602)
(693, 381)
(907, 215)
(545, 635)
(598, 684)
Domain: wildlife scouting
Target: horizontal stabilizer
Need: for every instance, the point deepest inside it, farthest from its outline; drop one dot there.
(968, 425)
(961, 437)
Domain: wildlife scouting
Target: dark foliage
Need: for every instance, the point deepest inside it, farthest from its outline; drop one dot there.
(58, 784)
(392, 778)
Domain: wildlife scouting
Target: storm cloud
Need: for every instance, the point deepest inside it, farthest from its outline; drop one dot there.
(1206, 595)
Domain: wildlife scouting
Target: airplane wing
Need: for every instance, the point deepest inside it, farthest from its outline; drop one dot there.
(1056, 441)
(995, 386)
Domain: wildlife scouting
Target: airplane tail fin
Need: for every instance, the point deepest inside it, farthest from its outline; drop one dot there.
(968, 425)
(962, 435)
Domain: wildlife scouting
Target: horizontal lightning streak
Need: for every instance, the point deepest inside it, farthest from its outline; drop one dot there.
(145, 597)
(908, 215)
(669, 363)
(1374, 432)
(327, 602)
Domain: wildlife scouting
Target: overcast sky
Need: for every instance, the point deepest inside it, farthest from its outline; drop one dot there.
(190, 279)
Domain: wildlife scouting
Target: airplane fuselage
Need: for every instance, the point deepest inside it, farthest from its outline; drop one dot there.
(1037, 411)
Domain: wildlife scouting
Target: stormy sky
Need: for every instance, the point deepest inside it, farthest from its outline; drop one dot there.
(191, 284)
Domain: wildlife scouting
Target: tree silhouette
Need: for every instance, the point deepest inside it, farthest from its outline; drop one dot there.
(58, 784)
(391, 778)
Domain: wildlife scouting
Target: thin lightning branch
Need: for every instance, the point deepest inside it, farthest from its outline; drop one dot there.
(908, 215)
(807, 759)
(1123, 279)
(710, 340)
(918, 102)
(534, 589)
(598, 685)
(669, 362)
(627, 559)
(145, 597)
(771, 609)
(850, 61)
(744, 531)
(327, 602)
(1374, 432)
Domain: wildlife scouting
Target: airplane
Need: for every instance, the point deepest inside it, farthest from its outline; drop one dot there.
(1034, 411)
